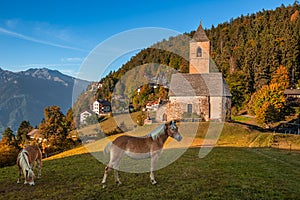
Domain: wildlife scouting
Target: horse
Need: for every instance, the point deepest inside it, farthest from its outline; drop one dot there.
(26, 160)
(148, 146)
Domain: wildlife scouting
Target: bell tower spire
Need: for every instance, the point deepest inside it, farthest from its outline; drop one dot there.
(199, 52)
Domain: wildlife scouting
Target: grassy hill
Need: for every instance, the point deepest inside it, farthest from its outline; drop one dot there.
(232, 170)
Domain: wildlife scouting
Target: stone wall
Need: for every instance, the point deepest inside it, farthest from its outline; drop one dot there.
(179, 105)
(210, 108)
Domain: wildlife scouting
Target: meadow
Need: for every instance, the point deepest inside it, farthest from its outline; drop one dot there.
(244, 164)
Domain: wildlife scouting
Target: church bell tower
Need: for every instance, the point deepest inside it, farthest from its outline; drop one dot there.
(199, 52)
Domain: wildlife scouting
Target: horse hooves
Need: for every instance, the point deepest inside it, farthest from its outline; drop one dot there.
(118, 183)
(103, 186)
(153, 182)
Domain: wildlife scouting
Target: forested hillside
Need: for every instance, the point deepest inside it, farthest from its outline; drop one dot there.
(247, 50)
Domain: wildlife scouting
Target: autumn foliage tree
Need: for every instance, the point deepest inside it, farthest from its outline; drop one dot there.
(269, 103)
(56, 128)
(8, 148)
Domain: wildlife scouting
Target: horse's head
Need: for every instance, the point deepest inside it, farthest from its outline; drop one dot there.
(172, 131)
(29, 176)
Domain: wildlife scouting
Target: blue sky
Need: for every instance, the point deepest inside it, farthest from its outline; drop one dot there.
(60, 34)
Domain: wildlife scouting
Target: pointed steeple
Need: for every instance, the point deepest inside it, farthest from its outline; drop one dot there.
(200, 35)
(199, 52)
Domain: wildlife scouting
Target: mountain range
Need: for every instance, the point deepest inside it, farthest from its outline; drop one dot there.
(25, 94)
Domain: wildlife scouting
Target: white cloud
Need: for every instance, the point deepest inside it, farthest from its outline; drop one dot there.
(31, 39)
(72, 59)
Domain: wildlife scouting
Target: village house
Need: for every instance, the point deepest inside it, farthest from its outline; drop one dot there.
(34, 134)
(84, 115)
(152, 106)
(292, 93)
(292, 96)
(101, 107)
(200, 93)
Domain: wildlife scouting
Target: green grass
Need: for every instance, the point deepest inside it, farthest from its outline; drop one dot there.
(240, 118)
(226, 173)
(231, 170)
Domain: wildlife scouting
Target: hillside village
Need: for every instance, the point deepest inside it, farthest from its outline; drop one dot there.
(200, 92)
(246, 74)
(212, 98)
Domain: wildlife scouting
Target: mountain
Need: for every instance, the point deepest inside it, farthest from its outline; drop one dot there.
(25, 94)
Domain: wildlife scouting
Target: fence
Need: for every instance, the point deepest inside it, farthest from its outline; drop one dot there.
(288, 128)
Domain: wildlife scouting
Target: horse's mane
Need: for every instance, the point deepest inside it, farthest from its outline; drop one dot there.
(157, 132)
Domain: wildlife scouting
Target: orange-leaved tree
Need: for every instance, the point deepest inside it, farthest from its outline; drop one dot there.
(269, 103)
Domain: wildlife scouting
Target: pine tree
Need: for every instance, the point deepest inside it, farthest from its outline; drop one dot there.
(9, 138)
(22, 132)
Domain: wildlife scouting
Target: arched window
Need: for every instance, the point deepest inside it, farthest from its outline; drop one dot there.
(199, 52)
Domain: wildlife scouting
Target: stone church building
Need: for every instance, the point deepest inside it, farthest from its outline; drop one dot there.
(201, 93)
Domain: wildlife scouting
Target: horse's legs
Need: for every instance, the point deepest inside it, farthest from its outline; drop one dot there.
(20, 174)
(116, 165)
(118, 182)
(39, 164)
(154, 158)
(106, 172)
(107, 169)
(115, 158)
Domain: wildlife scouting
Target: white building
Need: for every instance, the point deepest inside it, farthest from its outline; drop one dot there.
(101, 107)
(83, 116)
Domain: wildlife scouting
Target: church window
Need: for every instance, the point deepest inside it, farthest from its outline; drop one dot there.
(189, 108)
(199, 52)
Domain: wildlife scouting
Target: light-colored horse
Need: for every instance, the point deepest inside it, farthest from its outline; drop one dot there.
(149, 146)
(26, 161)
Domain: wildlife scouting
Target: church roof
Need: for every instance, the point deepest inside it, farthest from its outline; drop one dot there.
(200, 35)
(210, 84)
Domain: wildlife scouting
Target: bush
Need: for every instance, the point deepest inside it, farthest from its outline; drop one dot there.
(8, 154)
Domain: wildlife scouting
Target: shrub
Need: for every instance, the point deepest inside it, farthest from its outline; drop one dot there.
(8, 154)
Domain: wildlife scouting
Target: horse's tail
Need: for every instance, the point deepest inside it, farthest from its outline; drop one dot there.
(107, 148)
(23, 161)
(24, 157)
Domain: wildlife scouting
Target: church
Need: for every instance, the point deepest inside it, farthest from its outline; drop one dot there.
(202, 93)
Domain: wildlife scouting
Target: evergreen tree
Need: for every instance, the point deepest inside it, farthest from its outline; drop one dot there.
(70, 122)
(22, 132)
(9, 138)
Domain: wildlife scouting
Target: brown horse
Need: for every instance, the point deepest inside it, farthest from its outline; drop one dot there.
(26, 160)
(149, 146)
